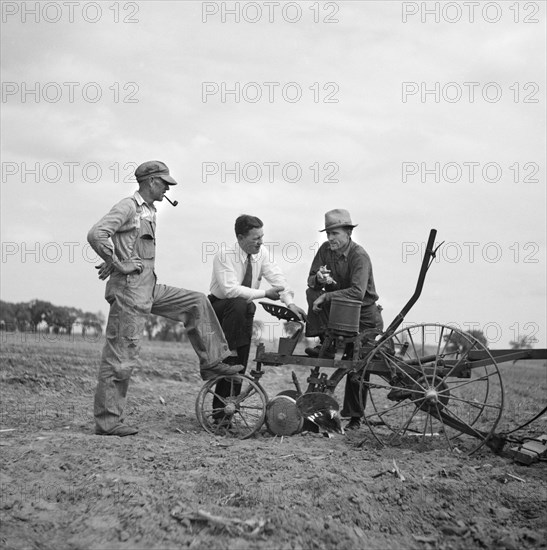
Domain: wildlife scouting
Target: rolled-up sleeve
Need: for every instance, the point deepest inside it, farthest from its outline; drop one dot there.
(100, 235)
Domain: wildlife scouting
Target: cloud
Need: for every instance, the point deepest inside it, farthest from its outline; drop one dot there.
(162, 62)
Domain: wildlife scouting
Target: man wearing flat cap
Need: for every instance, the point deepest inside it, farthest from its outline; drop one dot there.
(341, 268)
(125, 239)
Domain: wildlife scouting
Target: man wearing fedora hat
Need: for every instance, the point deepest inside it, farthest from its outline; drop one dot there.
(341, 268)
(125, 239)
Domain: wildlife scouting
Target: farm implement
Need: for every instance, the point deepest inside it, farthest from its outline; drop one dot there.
(425, 384)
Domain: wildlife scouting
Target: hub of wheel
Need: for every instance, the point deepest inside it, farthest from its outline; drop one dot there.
(434, 391)
(230, 409)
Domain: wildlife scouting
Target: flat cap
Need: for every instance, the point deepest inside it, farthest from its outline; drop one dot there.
(154, 168)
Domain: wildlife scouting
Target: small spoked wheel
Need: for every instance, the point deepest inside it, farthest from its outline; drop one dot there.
(420, 386)
(233, 406)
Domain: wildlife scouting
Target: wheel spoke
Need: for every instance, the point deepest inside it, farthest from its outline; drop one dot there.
(467, 382)
(459, 361)
(437, 354)
(427, 418)
(214, 394)
(417, 355)
(434, 386)
(243, 418)
(387, 386)
(444, 429)
(473, 403)
(447, 341)
(250, 391)
(396, 407)
(455, 417)
(410, 418)
(399, 364)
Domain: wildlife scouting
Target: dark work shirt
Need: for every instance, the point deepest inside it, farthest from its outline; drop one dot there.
(352, 271)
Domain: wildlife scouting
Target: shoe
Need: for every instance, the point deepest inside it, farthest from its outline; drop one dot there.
(397, 394)
(348, 352)
(222, 369)
(314, 352)
(400, 391)
(353, 424)
(223, 424)
(120, 430)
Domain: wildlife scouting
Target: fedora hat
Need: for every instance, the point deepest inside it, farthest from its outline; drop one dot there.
(337, 218)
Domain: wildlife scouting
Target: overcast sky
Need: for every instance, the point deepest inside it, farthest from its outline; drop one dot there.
(411, 120)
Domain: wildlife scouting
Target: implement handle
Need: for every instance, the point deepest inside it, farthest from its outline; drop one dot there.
(429, 254)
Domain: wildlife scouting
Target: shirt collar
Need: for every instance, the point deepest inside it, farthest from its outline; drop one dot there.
(140, 201)
(344, 252)
(242, 253)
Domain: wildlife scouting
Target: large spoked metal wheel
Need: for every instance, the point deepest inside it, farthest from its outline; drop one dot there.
(419, 387)
(239, 414)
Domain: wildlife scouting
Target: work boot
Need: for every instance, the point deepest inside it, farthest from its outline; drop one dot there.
(221, 369)
(315, 352)
(120, 430)
(399, 392)
(354, 423)
(223, 424)
(348, 352)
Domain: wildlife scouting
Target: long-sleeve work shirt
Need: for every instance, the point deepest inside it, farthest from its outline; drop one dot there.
(352, 271)
(113, 237)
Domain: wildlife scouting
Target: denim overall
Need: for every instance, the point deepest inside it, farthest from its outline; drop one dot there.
(132, 297)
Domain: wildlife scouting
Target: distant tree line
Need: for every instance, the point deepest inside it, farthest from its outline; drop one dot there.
(41, 315)
(165, 330)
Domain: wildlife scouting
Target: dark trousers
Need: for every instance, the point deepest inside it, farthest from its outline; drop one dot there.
(370, 317)
(235, 316)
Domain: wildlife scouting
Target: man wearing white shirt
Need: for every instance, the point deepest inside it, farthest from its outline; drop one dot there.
(237, 274)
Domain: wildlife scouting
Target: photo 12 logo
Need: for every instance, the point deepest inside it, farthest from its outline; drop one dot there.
(291, 252)
(469, 92)
(50, 252)
(471, 252)
(69, 92)
(70, 12)
(43, 412)
(67, 172)
(269, 12)
(269, 172)
(492, 331)
(269, 92)
(469, 12)
(90, 490)
(469, 172)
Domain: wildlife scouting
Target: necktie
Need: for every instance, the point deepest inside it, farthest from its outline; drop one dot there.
(248, 278)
